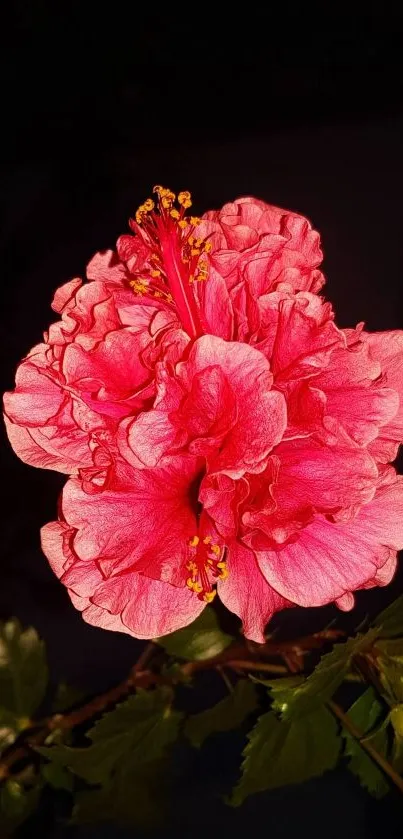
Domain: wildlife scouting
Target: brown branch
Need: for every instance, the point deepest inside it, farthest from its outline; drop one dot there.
(237, 657)
(383, 764)
(65, 722)
(226, 680)
(240, 664)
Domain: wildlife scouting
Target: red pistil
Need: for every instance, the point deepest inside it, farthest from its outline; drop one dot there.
(205, 565)
(174, 261)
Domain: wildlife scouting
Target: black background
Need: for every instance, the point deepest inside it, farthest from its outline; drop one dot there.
(300, 106)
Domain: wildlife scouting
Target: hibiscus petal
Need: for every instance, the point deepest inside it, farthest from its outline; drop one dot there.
(36, 399)
(55, 537)
(261, 411)
(246, 593)
(362, 410)
(143, 441)
(387, 348)
(218, 315)
(326, 476)
(330, 559)
(148, 608)
(104, 266)
(305, 335)
(145, 522)
(131, 603)
(64, 294)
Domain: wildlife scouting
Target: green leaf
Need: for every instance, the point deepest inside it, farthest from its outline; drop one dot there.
(391, 648)
(9, 729)
(282, 752)
(366, 713)
(225, 716)
(390, 621)
(134, 797)
(279, 685)
(390, 664)
(397, 753)
(127, 758)
(202, 639)
(16, 804)
(57, 776)
(23, 669)
(396, 718)
(320, 686)
(137, 732)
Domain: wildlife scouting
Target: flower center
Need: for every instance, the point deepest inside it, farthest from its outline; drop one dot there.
(174, 264)
(206, 564)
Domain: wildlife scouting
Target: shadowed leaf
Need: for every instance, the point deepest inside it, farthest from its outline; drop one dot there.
(16, 804)
(137, 732)
(202, 639)
(366, 713)
(281, 752)
(23, 670)
(226, 715)
(390, 622)
(320, 686)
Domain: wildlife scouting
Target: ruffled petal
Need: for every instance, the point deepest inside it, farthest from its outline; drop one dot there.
(130, 603)
(246, 593)
(143, 521)
(331, 558)
(387, 349)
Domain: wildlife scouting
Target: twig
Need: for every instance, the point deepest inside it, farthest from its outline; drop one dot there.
(144, 658)
(65, 722)
(383, 764)
(225, 679)
(241, 664)
(238, 657)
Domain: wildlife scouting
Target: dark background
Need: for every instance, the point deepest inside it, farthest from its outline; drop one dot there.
(299, 106)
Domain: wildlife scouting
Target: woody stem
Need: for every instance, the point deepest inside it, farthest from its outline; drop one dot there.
(237, 657)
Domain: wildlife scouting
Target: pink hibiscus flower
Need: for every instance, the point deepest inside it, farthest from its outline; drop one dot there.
(224, 435)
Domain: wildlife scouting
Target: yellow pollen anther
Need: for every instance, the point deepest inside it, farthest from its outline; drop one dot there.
(195, 252)
(139, 287)
(183, 223)
(207, 247)
(174, 213)
(145, 208)
(194, 542)
(207, 540)
(216, 550)
(165, 196)
(155, 273)
(202, 271)
(191, 566)
(195, 220)
(209, 596)
(185, 199)
(194, 585)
